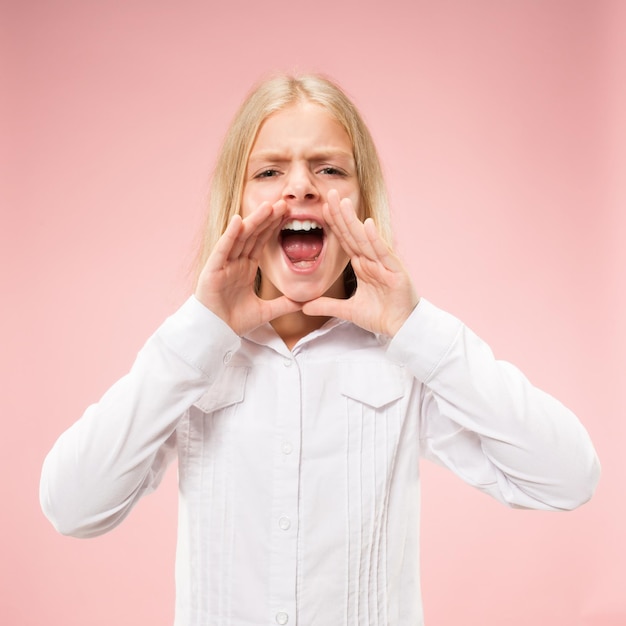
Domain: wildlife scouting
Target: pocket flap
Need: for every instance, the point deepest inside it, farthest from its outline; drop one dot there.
(373, 383)
(228, 389)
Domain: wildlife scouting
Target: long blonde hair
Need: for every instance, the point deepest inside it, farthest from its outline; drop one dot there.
(268, 97)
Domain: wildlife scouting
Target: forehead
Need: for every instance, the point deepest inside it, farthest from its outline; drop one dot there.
(301, 127)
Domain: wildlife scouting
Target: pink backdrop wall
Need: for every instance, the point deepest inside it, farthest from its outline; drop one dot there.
(502, 129)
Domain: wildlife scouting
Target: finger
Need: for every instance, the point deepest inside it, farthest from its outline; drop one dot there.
(281, 306)
(380, 248)
(332, 213)
(224, 246)
(356, 229)
(329, 307)
(253, 224)
(350, 230)
(260, 242)
(266, 231)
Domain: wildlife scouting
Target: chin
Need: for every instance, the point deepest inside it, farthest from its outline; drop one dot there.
(303, 293)
(301, 289)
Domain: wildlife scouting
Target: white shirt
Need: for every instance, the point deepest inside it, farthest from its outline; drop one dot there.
(299, 470)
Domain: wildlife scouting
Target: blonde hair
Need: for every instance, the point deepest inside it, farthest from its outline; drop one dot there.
(266, 98)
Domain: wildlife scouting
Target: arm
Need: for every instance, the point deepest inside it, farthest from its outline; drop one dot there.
(483, 419)
(480, 417)
(118, 450)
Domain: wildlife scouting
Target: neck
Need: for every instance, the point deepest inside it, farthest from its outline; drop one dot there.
(292, 327)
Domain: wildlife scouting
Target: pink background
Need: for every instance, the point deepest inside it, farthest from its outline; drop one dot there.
(502, 127)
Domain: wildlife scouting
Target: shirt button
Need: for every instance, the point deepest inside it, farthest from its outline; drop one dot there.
(287, 363)
(286, 448)
(227, 357)
(285, 524)
(282, 618)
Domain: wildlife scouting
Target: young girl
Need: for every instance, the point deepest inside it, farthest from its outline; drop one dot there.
(300, 386)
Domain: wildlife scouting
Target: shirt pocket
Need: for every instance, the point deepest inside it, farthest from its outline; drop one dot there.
(205, 436)
(374, 396)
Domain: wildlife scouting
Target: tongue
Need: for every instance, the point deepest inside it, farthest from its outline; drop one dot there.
(299, 247)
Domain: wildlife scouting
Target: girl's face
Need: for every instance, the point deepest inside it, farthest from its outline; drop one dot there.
(300, 154)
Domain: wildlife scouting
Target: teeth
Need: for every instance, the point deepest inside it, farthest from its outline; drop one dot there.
(301, 225)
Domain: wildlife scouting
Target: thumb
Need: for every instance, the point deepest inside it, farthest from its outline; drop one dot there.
(281, 306)
(328, 307)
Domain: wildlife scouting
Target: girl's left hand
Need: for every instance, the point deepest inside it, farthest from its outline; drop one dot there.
(385, 295)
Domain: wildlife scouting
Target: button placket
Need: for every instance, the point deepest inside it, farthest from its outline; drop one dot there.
(286, 489)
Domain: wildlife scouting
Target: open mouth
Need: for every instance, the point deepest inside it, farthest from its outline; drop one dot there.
(302, 241)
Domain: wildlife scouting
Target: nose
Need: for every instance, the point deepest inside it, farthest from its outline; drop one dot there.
(299, 184)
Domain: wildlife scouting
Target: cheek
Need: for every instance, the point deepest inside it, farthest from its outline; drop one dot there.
(249, 201)
(354, 193)
(253, 196)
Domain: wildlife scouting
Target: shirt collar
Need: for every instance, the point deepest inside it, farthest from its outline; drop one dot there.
(265, 335)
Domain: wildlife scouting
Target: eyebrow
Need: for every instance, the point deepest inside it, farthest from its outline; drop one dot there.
(321, 154)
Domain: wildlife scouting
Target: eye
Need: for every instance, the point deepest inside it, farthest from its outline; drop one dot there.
(269, 173)
(332, 171)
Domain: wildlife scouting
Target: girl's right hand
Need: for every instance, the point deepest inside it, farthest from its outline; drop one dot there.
(226, 282)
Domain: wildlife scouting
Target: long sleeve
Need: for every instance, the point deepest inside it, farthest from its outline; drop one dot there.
(482, 418)
(119, 449)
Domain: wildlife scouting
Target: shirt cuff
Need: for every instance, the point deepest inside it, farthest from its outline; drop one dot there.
(199, 337)
(424, 339)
